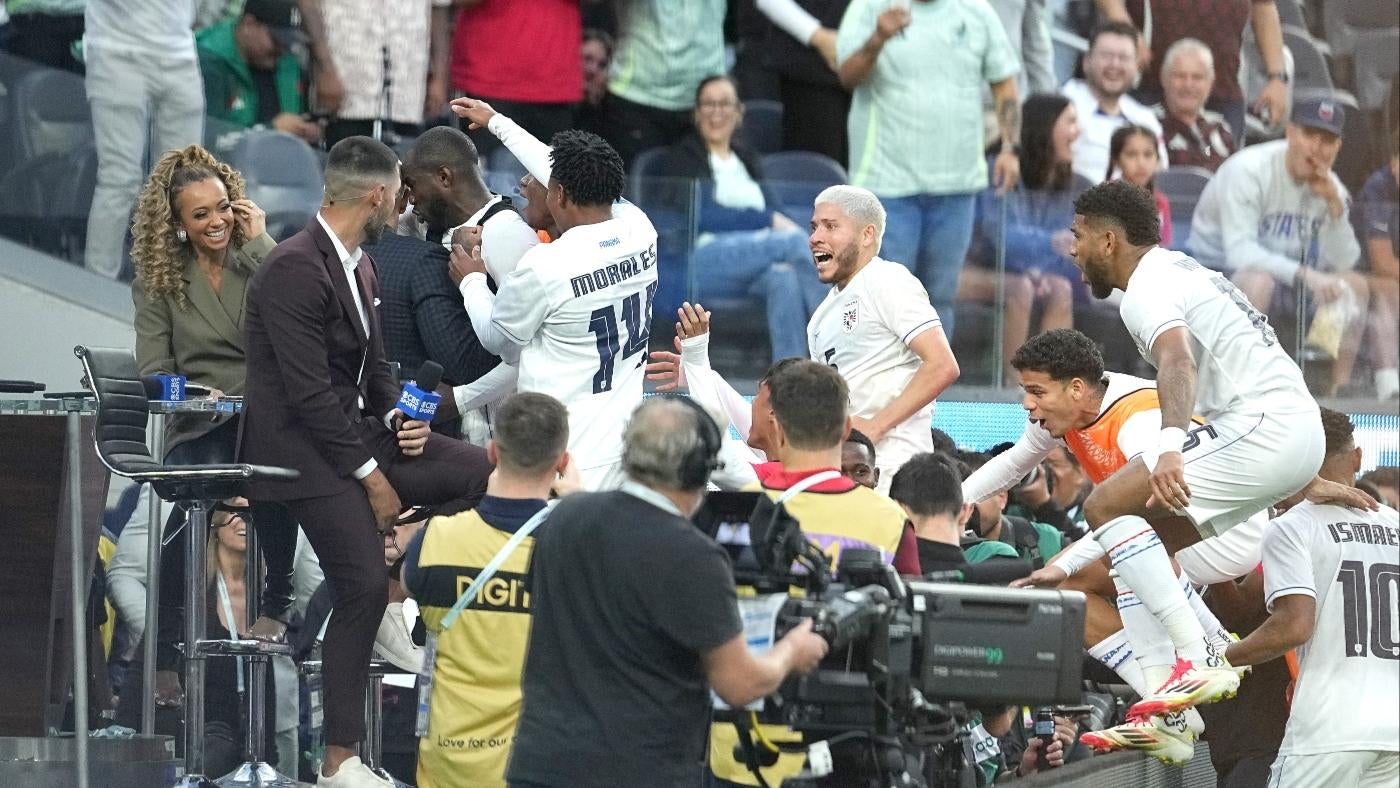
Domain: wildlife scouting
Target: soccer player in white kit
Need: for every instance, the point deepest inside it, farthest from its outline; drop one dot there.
(877, 328)
(1331, 585)
(1216, 356)
(575, 315)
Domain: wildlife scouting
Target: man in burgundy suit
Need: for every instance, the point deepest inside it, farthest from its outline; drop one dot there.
(320, 399)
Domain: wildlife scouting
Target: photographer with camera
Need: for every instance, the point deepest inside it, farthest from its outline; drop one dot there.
(635, 619)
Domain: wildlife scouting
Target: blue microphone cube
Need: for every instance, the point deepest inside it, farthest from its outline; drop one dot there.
(416, 404)
(172, 388)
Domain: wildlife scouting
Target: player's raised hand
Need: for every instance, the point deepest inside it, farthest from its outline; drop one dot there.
(1322, 491)
(1169, 486)
(476, 112)
(694, 321)
(665, 368)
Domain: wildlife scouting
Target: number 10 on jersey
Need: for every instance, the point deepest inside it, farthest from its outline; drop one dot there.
(603, 323)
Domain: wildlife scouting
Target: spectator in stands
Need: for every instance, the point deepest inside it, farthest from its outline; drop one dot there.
(522, 58)
(1377, 219)
(1195, 136)
(393, 66)
(1221, 25)
(663, 51)
(1133, 157)
(1033, 541)
(1110, 69)
(747, 248)
(1274, 216)
(421, 311)
(1070, 486)
(1025, 22)
(251, 76)
(801, 51)
(915, 126)
(617, 682)
(145, 91)
(476, 687)
(1034, 232)
(225, 680)
(928, 488)
(596, 53)
(46, 31)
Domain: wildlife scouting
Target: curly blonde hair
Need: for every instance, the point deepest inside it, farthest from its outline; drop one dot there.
(159, 256)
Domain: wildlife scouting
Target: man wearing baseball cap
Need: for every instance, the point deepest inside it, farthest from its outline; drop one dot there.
(252, 75)
(1275, 219)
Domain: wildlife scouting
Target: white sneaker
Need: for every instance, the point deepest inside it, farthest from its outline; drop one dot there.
(1169, 739)
(395, 643)
(1189, 685)
(353, 774)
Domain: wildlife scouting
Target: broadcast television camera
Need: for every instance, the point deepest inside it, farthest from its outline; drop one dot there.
(888, 706)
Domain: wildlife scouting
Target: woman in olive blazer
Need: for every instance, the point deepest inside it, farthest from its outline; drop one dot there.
(197, 242)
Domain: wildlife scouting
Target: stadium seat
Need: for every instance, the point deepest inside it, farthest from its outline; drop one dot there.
(762, 128)
(283, 177)
(669, 203)
(502, 173)
(1291, 13)
(796, 177)
(1182, 187)
(49, 114)
(1375, 65)
(1310, 69)
(1371, 14)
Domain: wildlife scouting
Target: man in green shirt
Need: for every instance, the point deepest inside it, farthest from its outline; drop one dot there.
(1033, 541)
(251, 75)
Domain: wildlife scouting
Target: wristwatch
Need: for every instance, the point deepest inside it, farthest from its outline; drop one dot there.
(1281, 76)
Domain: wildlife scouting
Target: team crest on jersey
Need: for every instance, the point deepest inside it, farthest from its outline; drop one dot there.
(850, 315)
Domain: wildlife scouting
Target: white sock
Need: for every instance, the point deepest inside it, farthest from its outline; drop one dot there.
(1116, 653)
(1152, 646)
(1140, 560)
(1216, 632)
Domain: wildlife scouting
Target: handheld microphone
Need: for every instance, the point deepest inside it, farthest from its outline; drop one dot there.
(995, 572)
(419, 400)
(168, 388)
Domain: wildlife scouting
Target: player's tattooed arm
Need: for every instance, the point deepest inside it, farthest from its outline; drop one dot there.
(1008, 110)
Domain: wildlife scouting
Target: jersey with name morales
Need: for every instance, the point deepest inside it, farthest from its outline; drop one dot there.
(580, 308)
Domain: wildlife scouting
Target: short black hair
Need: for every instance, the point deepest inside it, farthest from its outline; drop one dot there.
(1337, 432)
(943, 443)
(1113, 27)
(809, 402)
(1131, 207)
(356, 164)
(929, 485)
(588, 168)
(443, 146)
(778, 366)
(971, 460)
(531, 431)
(1062, 353)
(710, 80)
(856, 436)
(1383, 476)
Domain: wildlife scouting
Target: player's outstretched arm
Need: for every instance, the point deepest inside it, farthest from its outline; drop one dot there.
(528, 150)
(1176, 391)
(1289, 626)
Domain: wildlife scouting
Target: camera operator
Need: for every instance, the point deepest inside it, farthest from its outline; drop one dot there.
(809, 430)
(635, 619)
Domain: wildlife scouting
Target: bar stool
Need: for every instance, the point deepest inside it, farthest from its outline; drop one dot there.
(121, 445)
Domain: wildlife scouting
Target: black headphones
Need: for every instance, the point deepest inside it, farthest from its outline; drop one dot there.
(697, 466)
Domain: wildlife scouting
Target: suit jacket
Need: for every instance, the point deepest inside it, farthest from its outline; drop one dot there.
(422, 312)
(204, 340)
(305, 347)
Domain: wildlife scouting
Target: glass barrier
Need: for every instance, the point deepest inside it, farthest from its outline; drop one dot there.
(755, 274)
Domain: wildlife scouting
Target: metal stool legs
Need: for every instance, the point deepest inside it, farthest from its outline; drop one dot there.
(196, 561)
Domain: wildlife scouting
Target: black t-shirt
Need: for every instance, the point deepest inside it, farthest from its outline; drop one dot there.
(940, 557)
(269, 105)
(626, 599)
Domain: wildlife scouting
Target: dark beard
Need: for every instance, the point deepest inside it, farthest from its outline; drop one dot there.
(1100, 289)
(374, 231)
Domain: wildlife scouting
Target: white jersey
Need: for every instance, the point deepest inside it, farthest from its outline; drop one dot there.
(864, 331)
(1252, 214)
(1240, 366)
(580, 311)
(1349, 670)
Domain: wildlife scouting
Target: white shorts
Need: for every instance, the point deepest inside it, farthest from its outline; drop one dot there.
(1355, 769)
(1241, 464)
(1233, 554)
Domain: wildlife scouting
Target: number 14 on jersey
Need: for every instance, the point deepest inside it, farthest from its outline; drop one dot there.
(604, 324)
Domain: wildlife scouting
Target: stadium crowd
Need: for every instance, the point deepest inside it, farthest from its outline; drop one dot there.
(524, 193)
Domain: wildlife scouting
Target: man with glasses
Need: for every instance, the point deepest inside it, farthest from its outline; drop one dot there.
(1101, 98)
